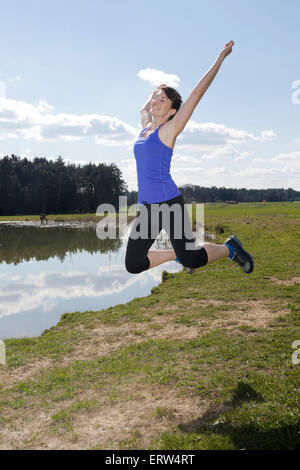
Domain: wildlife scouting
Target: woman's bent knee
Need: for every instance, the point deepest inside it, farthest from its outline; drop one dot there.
(192, 259)
(134, 267)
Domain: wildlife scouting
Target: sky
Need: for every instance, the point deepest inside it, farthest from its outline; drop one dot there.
(74, 75)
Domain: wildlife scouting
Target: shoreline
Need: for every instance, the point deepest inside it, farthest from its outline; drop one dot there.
(56, 221)
(49, 224)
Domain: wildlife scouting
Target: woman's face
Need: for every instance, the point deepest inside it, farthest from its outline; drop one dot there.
(161, 105)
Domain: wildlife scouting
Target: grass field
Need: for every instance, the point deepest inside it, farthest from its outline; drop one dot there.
(203, 362)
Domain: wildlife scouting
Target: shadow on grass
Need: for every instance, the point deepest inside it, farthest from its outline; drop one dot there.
(249, 435)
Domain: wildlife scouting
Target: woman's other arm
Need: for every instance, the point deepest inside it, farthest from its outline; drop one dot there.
(178, 123)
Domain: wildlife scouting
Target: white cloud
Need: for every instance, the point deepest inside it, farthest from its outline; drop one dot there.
(46, 289)
(205, 135)
(249, 177)
(184, 159)
(261, 172)
(44, 106)
(188, 170)
(239, 158)
(267, 135)
(128, 168)
(289, 158)
(21, 119)
(157, 77)
(223, 152)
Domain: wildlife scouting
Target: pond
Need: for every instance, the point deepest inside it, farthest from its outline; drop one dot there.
(48, 270)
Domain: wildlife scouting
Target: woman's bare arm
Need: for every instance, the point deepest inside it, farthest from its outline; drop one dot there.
(178, 123)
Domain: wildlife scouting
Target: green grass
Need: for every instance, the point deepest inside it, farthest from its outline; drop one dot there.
(246, 210)
(242, 372)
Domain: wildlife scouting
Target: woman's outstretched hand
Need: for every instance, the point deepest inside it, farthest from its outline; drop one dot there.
(227, 49)
(157, 89)
(148, 102)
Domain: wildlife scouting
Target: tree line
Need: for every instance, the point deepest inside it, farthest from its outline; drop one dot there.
(54, 187)
(193, 193)
(214, 194)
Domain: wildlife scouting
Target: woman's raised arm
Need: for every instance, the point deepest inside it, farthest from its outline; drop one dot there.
(178, 123)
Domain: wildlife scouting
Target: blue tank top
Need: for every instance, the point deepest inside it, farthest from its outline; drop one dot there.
(153, 160)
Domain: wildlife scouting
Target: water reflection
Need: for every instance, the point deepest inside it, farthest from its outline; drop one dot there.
(47, 271)
(20, 242)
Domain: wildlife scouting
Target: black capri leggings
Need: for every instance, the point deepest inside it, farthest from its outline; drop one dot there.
(177, 223)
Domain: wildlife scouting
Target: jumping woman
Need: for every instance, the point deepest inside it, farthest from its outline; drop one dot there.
(163, 119)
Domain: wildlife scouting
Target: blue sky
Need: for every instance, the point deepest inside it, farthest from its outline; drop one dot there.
(74, 75)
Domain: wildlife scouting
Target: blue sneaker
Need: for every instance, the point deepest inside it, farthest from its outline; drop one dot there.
(240, 256)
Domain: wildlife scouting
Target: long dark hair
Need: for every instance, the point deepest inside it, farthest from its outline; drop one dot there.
(174, 96)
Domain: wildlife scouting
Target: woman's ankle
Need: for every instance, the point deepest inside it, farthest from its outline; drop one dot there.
(215, 252)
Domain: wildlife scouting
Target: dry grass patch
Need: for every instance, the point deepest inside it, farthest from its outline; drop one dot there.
(106, 339)
(288, 282)
(11, 377)
(143, 412)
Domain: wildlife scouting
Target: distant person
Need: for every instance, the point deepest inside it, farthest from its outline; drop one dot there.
(43, 218)
(163, 119)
